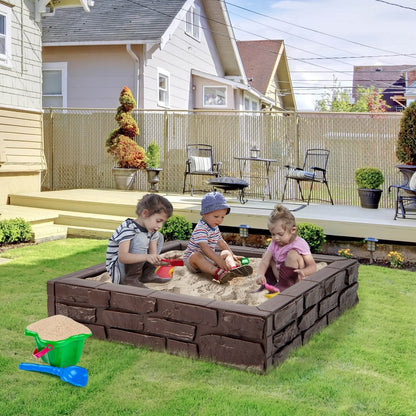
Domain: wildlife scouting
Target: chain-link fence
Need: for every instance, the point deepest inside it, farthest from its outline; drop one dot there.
(77, 158)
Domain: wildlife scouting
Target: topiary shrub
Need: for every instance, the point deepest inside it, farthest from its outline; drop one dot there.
(120, 144)
(406, 140)
(15, 230)
(177, 227)
(153, 156)
(313, 234)
(369, 178)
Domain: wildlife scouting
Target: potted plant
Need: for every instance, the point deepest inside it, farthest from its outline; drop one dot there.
(369, 181)
(406, 143)
(153, 165)
(128, 155)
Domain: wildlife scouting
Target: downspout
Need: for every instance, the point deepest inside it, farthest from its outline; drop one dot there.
(136, 75)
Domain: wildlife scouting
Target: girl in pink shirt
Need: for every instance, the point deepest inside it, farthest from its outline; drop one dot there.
(288, 258)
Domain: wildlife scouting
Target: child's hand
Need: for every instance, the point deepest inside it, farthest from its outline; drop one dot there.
(261, 279)
(222, 264)
(155, 259)
(301, 274)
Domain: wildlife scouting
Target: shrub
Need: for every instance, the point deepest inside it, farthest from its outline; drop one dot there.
(406, 140)
(120, 144)
(177, 227)
(313, 234)
(153, 156)
(369, 178)
(15, 231)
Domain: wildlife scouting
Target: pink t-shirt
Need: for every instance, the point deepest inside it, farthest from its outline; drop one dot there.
(280, 253)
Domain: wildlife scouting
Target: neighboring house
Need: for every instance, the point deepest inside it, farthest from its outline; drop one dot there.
(21, 142)
(410, 82)
(390, 79)
(265, 64)
(172, 54)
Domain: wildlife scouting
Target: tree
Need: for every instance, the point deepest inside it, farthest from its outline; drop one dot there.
(339, 100)
(406, 141)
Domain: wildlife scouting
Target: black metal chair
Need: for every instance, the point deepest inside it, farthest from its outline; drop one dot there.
(313, 170)
(200, 162)
(405, 195)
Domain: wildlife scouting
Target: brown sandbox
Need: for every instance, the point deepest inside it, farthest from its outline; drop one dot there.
(256, 338)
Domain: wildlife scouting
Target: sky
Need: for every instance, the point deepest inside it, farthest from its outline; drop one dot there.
(325, 39)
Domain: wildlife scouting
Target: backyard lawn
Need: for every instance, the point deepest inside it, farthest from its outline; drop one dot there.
(364, 363)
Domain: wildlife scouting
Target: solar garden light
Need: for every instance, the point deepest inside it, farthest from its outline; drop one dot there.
(371, 246)
(244, 232)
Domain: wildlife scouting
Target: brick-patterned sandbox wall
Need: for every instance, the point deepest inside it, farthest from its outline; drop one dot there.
(251, 337)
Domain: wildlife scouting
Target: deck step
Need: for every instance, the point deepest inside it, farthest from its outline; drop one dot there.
(48, 232)
(89, 232)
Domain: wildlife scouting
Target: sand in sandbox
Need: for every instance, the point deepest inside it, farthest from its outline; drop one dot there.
(184, 282)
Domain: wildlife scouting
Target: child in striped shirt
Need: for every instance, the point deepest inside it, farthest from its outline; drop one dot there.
(134, 248)
(200, 255)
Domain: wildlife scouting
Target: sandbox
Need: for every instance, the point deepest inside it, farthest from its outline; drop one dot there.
(256, 338)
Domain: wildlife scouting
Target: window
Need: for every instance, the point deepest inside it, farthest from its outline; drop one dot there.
(163, 88)
(5, 36)
(192, 22)
(250, 104)
(215, 96)
(54, 86)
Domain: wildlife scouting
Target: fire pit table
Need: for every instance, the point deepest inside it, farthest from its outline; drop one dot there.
(229, 183)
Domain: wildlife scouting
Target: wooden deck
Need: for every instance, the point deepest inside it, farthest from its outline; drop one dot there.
(96, 213)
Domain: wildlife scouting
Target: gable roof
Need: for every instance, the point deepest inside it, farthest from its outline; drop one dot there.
(111, 22)
(259, 59)
(265, 60)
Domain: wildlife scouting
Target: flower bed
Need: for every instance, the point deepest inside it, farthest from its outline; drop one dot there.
(251, 337)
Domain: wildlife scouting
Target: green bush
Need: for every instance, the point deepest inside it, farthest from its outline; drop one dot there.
(369, 178)
(313, 234)
(15, 230)
(153, 156)
(406, 140)
(177, 227)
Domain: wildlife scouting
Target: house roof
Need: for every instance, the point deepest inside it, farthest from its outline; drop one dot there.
(259, 59)
(265, 60)
(111, 22)
(388, 77)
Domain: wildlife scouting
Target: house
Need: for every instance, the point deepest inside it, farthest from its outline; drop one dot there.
(172, 54)
(21, 142)
(410, 82)
(265, 64)
(390, 79)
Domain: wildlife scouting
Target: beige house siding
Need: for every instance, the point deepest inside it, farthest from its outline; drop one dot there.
(21, 147)
(21, 151)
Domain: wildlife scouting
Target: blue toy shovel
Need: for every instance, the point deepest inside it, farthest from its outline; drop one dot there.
(73, 374)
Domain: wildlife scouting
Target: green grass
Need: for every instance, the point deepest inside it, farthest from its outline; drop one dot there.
(364, 363)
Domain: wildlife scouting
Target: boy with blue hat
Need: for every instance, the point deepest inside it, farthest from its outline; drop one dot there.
(200, 255)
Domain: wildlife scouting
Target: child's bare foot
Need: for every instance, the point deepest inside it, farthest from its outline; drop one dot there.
(224, 276)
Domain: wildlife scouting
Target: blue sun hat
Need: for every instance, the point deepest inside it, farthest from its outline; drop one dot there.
(214, 201)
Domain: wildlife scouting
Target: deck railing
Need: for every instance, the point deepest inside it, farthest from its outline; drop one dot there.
(77, 158)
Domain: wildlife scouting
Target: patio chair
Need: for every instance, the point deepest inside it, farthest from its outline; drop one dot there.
(313, 170)
(199, 162)
(405, 196)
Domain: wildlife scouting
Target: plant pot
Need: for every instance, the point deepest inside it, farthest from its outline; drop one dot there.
(124, 178)
(153, 178)
(369, 198)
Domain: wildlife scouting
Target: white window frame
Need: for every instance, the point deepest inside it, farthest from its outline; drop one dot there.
(192, 24)
(6, 57)
(63, 67)
(251, 104)
(206, 98)
(165, 74)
